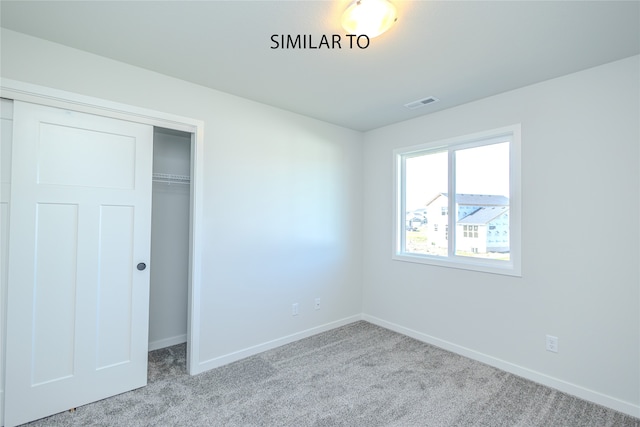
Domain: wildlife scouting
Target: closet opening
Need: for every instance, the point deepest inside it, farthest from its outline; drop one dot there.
(170, 243)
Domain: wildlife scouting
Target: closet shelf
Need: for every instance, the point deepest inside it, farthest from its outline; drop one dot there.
(169, 178)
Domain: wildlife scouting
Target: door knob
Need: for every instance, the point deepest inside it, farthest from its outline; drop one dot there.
(141, 266)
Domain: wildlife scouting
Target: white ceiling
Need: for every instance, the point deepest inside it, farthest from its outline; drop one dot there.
(458, 51)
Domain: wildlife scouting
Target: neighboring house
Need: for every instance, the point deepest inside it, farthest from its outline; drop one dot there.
(485, 230)
(482, 222)
(416, 218)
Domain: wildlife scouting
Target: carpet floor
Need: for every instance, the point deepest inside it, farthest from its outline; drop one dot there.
(356, 375)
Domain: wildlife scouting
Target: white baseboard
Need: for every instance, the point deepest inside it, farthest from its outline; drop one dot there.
(563, 386)
(250, 351)
(167, 342)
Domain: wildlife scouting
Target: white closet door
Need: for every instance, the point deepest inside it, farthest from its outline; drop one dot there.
(78, 306)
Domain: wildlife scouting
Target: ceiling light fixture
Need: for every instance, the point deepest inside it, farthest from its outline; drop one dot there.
(369, 17)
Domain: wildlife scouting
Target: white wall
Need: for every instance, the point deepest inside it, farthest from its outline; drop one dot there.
(580, 201)
(282, 199)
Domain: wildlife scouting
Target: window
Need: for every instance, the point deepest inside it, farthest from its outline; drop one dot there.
(466, 183)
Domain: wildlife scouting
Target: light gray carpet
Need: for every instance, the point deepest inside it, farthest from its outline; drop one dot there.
(356, 375)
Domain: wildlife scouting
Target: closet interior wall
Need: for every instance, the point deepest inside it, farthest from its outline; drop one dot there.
(169, 238)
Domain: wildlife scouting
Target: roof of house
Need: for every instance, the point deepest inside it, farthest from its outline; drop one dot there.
(484, 215)
(477, 199)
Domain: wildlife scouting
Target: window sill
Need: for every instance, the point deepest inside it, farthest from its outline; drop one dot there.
(506, 268)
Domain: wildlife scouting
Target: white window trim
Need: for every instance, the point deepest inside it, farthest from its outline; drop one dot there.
(512, 267)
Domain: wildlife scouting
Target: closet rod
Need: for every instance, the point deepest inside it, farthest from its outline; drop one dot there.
(169, 178)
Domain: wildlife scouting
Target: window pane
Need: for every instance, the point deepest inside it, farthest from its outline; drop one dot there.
(426, 207)
(482, 201)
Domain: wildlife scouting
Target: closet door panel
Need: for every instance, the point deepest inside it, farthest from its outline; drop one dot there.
(84, 157)
(55, 283)
(115, 284)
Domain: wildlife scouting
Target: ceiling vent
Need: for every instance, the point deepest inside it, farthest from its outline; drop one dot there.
(421, 102)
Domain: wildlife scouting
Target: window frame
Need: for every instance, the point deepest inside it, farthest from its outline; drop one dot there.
(512, 267)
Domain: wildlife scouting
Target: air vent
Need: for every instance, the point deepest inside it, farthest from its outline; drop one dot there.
(421, 102)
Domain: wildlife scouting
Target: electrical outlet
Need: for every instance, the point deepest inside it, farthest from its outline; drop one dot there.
(317, 304)
(294, 309)
(552, 343)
